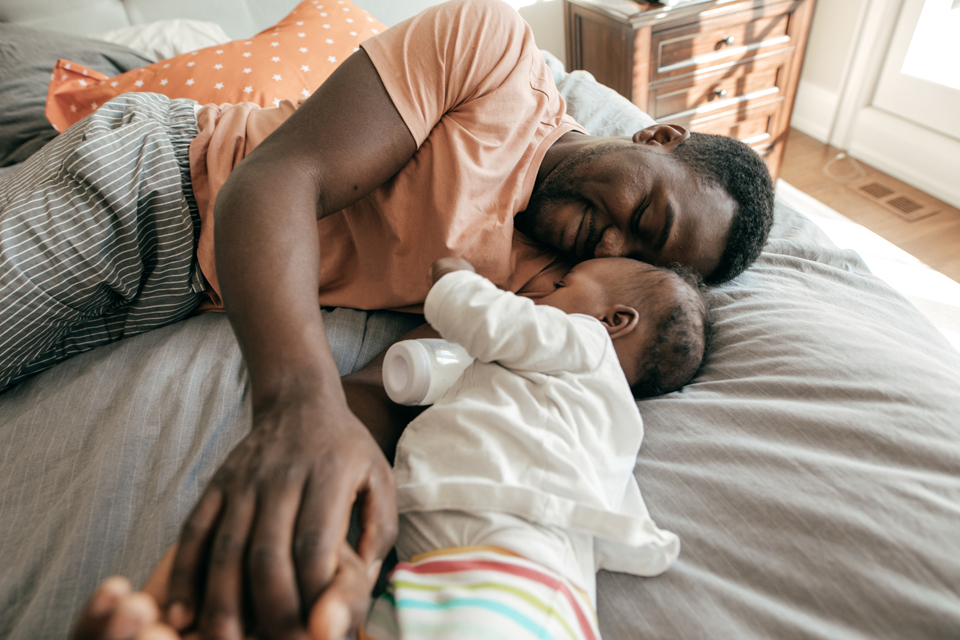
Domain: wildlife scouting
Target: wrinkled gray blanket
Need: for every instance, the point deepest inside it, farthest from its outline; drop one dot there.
(812, 470)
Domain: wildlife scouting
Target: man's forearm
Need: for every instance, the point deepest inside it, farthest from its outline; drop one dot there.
(268, 265)
(273, 518)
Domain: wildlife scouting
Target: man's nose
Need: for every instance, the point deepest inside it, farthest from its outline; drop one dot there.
(611, 244)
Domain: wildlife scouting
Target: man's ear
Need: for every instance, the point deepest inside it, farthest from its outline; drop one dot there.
(620, 320)
(667, 136)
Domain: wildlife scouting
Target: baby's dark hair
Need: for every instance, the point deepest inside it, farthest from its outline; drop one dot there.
(735, 167)
(675, 349)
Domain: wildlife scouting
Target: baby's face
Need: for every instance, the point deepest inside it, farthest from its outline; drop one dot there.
(588, 287)
(583, 289)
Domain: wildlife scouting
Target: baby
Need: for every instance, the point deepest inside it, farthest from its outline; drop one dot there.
(517, 486)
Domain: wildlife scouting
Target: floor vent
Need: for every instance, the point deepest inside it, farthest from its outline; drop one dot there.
(876, 190)
(907, 207)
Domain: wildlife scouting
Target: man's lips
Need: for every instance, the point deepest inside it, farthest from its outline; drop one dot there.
(588, 237)
(582, 234)
(580, 238)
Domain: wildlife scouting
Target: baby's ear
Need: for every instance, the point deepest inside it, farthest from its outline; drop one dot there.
(620, 320)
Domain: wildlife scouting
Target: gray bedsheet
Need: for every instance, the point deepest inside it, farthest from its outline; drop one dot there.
(104, 455)
(812, 470)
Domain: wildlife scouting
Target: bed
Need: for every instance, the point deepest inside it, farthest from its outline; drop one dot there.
(811, 470)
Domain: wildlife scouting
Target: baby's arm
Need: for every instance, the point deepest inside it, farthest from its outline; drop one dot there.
(495, 325)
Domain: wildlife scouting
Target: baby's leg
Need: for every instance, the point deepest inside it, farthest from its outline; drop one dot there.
(479, 592)
(115, 612)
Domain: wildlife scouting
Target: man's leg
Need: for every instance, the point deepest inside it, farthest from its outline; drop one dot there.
(97, 235)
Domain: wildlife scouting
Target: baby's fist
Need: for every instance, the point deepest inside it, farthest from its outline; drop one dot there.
(443, 266)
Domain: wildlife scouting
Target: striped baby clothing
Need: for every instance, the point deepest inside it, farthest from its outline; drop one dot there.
(479, 593)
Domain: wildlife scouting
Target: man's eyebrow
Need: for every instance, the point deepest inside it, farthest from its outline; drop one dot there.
(668, 215)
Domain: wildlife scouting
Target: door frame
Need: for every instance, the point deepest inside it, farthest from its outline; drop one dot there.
(917, 155)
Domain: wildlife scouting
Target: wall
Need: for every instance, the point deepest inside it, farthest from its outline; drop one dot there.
(828, 51)
(545, 18)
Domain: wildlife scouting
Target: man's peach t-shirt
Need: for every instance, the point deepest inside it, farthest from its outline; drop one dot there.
(478, 98)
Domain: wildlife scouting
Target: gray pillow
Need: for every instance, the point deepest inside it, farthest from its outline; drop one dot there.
(812, 469)
(27, 58)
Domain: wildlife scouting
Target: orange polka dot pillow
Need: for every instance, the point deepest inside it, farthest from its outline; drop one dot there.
(289, 60)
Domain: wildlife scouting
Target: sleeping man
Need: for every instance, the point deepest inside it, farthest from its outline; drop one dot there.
(443, 136)
(505, 536)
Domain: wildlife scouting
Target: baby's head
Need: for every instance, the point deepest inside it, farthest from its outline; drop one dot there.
(657, 318)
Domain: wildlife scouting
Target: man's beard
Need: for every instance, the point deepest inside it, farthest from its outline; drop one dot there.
(558, 188)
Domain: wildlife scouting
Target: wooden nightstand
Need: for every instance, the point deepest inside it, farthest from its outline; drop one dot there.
(717, 66)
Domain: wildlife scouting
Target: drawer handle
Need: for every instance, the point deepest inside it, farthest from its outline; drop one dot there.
(720, 93)
(729, 41)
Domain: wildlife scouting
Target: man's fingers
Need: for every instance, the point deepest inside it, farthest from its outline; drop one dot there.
(378, 521)
(343, 606)
(321, 528)
(221, 614)
(158, 583)
(187, 569)
(273, 577)
(102, 604)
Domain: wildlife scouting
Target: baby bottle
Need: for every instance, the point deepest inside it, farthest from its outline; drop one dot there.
(418, 372)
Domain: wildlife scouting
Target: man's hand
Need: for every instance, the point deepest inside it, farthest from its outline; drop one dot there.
(275, 517)
(443, 266)
(263, 539)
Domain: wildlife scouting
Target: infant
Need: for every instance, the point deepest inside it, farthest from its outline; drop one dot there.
(517, 485)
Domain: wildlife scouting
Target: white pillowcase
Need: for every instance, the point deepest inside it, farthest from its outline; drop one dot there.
(167, 38)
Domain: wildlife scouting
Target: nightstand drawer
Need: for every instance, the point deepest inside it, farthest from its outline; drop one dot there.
(712, 92)
(728, 67)
(752, 123)
(721, 43)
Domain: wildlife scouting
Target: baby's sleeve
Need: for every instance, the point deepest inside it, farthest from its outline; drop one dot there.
(499, 326)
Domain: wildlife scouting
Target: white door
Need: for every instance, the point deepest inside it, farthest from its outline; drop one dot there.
(900, 108)
(920, 80)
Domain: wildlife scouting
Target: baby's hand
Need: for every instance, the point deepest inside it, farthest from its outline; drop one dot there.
(443, 266)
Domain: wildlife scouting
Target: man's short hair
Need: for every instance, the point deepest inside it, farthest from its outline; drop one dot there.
(733, 166)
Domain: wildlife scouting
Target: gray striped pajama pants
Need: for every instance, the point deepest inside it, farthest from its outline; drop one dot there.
(98, 234)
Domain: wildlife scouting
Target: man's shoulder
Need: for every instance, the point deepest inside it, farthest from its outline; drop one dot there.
(491, 9)
(492, 20)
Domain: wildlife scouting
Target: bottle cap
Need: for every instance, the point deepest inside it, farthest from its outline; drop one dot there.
(406, 372)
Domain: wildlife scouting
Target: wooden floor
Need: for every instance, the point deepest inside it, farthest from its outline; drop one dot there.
(935, 239)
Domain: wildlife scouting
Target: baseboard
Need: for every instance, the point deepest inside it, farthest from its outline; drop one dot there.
(814, 110)
(916, 155)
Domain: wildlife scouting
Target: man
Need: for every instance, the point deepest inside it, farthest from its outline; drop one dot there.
(460, 92)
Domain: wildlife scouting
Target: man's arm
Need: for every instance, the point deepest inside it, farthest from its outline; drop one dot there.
(274, 515)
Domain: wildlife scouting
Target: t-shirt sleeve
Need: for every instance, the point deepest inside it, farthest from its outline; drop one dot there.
(499, 326)
(448, 54)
